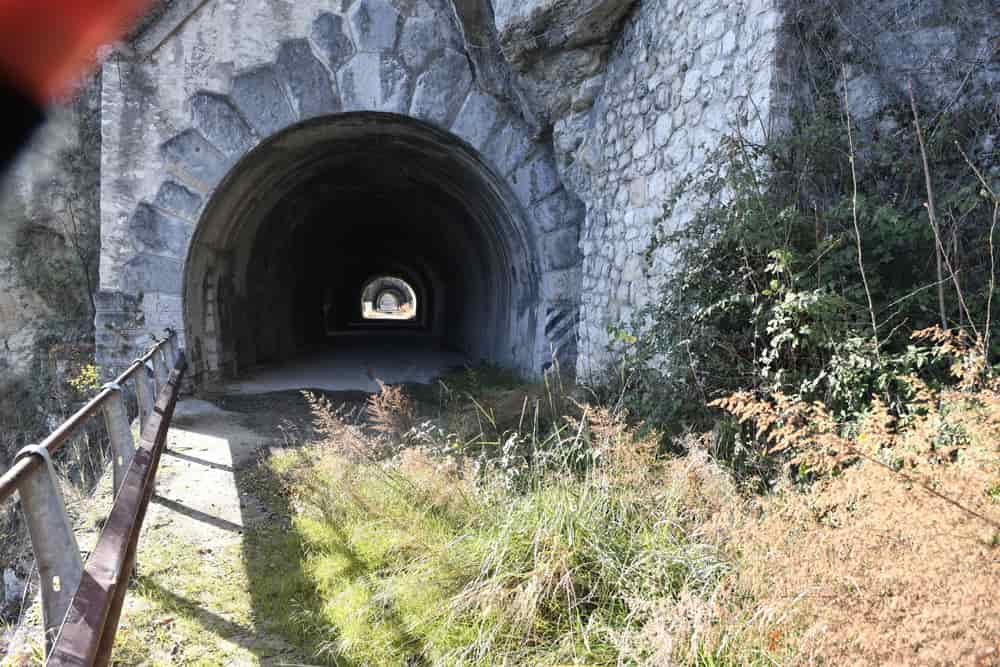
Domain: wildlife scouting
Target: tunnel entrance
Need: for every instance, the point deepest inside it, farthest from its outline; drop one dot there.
(354, 209)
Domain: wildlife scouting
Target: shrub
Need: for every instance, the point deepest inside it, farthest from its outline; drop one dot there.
(767, 296)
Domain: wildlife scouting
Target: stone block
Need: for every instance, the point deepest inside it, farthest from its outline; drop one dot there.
(558, 211)
(633, 268)
(561, 285)
(309, 85)
(714, 26)
(561, 249)
(692, 81)
(328, 33)
(419, 41)
(374, 82)
(196, 158)
(179, 200)
(640, 148)
(425, 35)
(152, 273)
(374, 25)
(117, 314)
(218, 121)
(360, 82)
(162, 311)
(478, 118)
(664, 130)
(440, 89)
(728, 43)
(638, 192)
(510, 146)
(536, 180)
(261, 98)
(158, 232)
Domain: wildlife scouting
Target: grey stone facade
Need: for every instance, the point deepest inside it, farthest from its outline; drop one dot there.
(630, 110)
(681, 76)
(232, 76)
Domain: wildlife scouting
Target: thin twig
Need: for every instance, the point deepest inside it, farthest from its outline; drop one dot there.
(993, 267)
(993, 283)
(857, 227)
(942, 256)
(993, 273)
(979, 174)
(931, 212)
(926, 487)
(915, 292)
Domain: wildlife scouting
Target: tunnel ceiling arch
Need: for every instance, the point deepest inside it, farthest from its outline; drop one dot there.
(323, 205)
(343, 100)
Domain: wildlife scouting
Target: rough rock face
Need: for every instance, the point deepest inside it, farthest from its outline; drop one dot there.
(48, 238)
(559, 47)
(947, 49)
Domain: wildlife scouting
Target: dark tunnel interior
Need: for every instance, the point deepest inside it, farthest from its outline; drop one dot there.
(295, 233)
(319, 258)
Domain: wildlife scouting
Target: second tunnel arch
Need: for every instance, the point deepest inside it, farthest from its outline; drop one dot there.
(346, 195)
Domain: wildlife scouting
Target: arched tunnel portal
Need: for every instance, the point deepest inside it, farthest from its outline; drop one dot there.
(298, 228)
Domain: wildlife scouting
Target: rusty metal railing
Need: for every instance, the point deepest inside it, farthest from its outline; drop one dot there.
(81, 604)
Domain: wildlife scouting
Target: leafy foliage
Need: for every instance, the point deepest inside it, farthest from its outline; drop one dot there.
(765, 294)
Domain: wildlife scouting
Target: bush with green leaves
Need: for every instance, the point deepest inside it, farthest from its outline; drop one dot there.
(765, 291)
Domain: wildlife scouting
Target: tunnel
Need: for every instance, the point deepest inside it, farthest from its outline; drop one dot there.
(354, 209)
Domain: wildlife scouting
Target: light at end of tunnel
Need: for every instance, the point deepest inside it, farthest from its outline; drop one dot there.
(388, 298)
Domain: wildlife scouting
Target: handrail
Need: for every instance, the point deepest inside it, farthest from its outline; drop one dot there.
(10, 480)
(88, 631)
(62, 576)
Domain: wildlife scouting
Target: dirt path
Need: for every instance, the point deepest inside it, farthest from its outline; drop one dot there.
(196, 494)
(192, 603)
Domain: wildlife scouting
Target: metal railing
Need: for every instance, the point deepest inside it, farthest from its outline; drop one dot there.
(81, 604)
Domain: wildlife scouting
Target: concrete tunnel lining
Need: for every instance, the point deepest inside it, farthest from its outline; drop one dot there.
(325, 205)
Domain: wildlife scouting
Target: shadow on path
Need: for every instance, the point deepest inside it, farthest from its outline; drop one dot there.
(197, 515)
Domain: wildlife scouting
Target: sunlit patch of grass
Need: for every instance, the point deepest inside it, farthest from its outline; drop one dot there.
(414, 562)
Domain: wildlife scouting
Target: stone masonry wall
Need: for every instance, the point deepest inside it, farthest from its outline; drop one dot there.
(179, 116)
(680, 76)
(626, 109)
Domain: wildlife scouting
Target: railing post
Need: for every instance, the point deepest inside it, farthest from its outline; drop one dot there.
(52, 541)
(145, 394)
(170, 349)
(160, 371)
(119, 432)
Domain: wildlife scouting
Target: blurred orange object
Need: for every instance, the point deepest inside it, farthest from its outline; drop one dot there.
(46, 46)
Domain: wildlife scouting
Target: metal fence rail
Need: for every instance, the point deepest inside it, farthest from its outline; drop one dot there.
(80, 606)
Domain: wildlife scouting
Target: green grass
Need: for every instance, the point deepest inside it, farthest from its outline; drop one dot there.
(425, 560)
(414, 566)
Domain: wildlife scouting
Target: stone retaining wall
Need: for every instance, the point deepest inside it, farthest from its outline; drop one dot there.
(680, 76)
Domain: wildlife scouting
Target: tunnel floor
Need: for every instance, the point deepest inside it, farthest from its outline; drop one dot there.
(355, 363)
